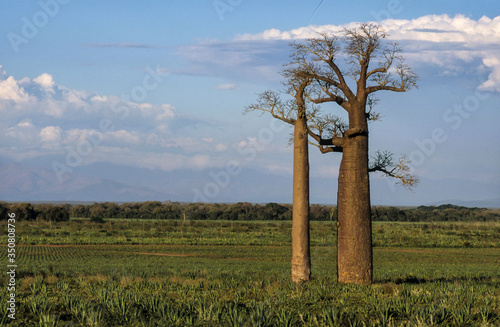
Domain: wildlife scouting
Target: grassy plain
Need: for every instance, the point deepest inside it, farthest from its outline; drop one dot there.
(222, 273)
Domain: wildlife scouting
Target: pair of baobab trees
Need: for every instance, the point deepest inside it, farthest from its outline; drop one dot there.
(316, 75)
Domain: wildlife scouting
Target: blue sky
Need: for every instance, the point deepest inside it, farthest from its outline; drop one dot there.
(160, 86)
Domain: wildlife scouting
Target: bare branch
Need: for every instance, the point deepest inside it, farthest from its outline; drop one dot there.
(384, 163)
(405, 81)
(270, 101)
(361, 44)
(313, 77)
(327, 131)
(390, 53)
(309, 61)
(371, 103)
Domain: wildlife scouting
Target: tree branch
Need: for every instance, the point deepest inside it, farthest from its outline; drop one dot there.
(407, 80)
(402, 171)
(389, 54)
(376, 88)
(271, 102)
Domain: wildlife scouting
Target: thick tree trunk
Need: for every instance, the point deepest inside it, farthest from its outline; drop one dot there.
(301, 259)
(354, 238)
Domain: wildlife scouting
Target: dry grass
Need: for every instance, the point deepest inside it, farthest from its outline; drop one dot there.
(51, 279)
(27, 281)
(97, 279)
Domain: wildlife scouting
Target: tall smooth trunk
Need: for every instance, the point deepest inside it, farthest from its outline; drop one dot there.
(301, 259)
(354, 237)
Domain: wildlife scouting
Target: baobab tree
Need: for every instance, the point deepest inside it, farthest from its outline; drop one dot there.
(313, 77)
(372, 65)
(294, 112)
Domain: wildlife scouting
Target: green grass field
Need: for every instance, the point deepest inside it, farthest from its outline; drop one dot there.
(219, 273)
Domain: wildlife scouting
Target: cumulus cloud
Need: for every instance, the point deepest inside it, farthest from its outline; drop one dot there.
(45, 81)
(493, 63)
(50, 137)
(40, 117)
(436, 28)
(22, 134)
(50, 134)
(438, 39)
(11, 90)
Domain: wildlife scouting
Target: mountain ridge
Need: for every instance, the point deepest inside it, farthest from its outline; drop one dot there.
(19, 182)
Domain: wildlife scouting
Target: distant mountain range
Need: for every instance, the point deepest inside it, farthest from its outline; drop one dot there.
(101, 182)
(24, 183)
(491, 203)
(115, 183)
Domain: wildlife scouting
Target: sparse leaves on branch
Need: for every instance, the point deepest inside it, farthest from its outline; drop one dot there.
(384, 163)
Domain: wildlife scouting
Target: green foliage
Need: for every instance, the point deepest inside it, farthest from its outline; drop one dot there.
(235, 292)
(251, 233)
(26, 211)
(23, 211)
(196, 278)
(52, 213)
(242, 211)
(446, 212)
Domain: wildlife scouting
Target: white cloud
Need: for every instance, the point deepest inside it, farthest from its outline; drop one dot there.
(25, 123)
(3, 73)
(50, 137)
(11, 90)
(228, 86)
(493, 83)
(106, 128)
(123, 137)
(50, 134)
(23, 134)
(444, 41)
(45, 81)
(76, 135)
(168, 112)
(221, 147)
(438, 39)
(200, 162)
(436, 28)
(76, 97)
(298, 33)
(98, 98)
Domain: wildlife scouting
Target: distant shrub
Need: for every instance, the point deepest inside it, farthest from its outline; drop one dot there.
(97, 219)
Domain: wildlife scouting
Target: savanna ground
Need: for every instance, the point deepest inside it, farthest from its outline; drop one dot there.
(221, 273)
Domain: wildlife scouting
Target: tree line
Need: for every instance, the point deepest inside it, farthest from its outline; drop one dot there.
(28, 211)
(243, 211)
